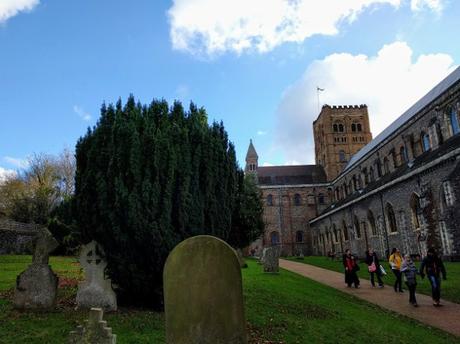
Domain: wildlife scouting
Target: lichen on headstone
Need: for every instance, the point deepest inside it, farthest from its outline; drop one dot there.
(96, 290)
(36, 287)
(203, 293)
(270, 260)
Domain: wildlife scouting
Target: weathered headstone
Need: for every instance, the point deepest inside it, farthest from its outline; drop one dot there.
(203, 293)
(36, 287)
(270, 261)
(95, 330)
(264, 252)
(241, 260)
(96, 290)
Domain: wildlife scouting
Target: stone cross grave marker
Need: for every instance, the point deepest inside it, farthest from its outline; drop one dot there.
(96, 290)
(36, 287)
(203, 293)
(95, 330)
(270, 261)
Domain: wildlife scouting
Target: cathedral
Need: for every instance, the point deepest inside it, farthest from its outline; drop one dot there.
(399, 189)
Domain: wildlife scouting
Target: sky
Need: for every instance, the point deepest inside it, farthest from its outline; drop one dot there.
(254, 64)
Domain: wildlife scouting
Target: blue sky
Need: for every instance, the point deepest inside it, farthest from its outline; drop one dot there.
(254, 64)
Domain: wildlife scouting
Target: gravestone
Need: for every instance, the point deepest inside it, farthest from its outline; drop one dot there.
(36, 287)
(96, 290)
(95, 330)
(241, 260)
(203, 293)
(264, 252)
(270, 261)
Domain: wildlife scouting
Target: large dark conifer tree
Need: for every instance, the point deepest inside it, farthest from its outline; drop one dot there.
(147, 178)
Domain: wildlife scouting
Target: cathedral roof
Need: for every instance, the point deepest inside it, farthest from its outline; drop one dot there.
(440, 88)
(251, 154)
(291, 175)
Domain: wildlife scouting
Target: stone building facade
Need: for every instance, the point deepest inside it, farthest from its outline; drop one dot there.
(292, 195)
(340, 132)
(402, 189)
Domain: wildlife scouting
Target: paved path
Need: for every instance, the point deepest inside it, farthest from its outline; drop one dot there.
(446, 318)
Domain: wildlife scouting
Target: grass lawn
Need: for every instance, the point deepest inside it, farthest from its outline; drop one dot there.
(282, 308)
(450, 287)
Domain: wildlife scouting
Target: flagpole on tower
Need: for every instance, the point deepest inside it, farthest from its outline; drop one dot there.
(318, 89)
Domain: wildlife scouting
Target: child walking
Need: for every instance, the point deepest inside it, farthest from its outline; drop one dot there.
(409, 270)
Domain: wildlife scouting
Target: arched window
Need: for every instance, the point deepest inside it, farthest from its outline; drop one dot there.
(270, 200)
(353, 127)
(366, 176)
(386, 166)
(453, 119)
(335, 128)
(392, 227)
(415, 210)
(341, 128)
(357, 227)
(378, 166)
(342, 157)
(274, 238)
(359, 127)
(425, 141)
(371, 220)
(297, 200)
(403, 154)
(355, 182)
(321, 198)
(345, 231)
(299, 236)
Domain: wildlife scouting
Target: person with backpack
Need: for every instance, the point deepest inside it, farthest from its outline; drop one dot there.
(409, 270)
(433, 266)
(351, 269)
(395, 261)
(373, 266)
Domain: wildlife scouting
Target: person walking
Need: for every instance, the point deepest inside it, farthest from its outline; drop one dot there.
(434, 267)
(351, 269)
(395, 261)
(373, 265)
(409, 270)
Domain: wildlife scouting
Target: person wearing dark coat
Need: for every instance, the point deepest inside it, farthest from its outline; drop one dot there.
(433, 267)
(373, 265)
(351, 269)
(409, 270)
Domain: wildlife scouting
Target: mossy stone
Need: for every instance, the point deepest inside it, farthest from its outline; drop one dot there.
(203, 293)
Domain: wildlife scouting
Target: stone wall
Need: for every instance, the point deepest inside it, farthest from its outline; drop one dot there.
(286, 217)
(15, 237)
(419, 185)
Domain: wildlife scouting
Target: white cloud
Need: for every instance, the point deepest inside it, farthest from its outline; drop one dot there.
(261, 132)
(86, 116)
(10, 8)
(389, 83)
(266, 164)
(208, 27)
(5, 174)
(16, 162)
(435, 5)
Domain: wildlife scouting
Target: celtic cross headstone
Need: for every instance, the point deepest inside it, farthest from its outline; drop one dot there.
(96, 290)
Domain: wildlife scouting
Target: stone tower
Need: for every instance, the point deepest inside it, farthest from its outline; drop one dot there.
(339, 132)
(252, 159)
